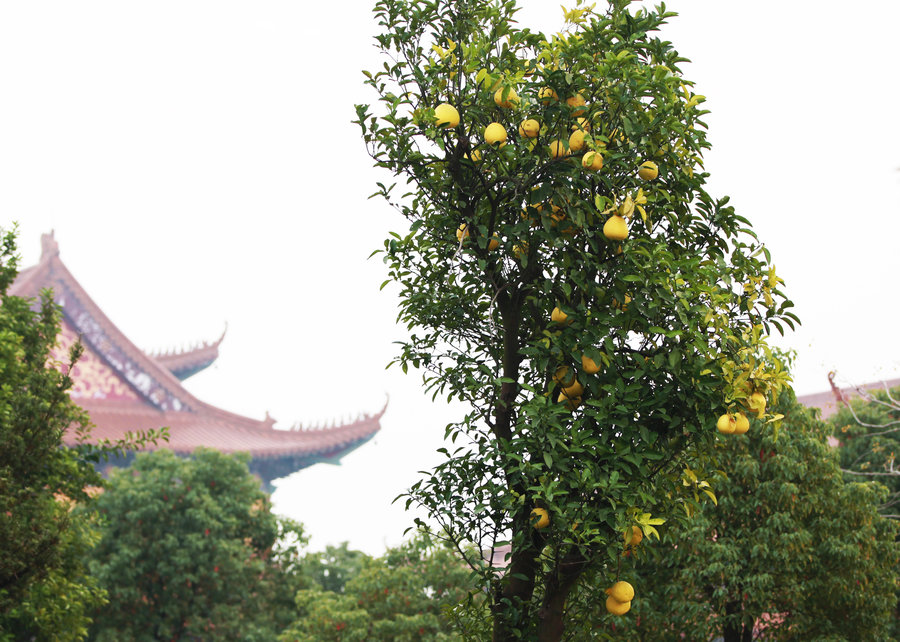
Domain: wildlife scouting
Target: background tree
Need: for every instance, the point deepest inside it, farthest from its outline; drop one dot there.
(567, 275)
(791, 551)
(869, 433)
(332, 568)
(191, 550)
(407, 595)
(45, 593)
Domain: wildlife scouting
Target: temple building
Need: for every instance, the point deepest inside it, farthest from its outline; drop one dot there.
(126, 389)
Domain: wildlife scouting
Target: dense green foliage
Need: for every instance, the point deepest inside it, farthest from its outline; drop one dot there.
(407, 595)
(674, 316)
(45, 593)
(191, 550)
(791, 548)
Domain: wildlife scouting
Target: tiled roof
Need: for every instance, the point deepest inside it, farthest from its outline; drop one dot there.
(828, 402)
(124, 389)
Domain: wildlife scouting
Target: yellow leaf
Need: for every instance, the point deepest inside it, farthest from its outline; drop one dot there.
(712, 496)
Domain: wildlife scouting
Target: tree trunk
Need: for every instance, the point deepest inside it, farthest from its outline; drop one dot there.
(737, 631)
(551, 626)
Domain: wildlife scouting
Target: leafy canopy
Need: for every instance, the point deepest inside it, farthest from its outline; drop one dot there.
(191, 549)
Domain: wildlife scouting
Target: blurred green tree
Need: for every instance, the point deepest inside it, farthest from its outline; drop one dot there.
(869, 434)
(191, 550)
(407, 595)
(791, 552)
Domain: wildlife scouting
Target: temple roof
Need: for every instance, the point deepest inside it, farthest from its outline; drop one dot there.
(125, 389)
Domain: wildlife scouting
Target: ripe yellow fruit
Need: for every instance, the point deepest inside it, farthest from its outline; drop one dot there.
(574, 391)
(589, 365)
(445, 115)
(529, 128)
(558, 149)
(615, 229)
(634, 537)
(540, 518)
(576, 141)
(726, 424)
(617, 608)
(741, 423)
(462, 232)
(648, 170)
(510, 100)
(520, 250)
(558, 316)
(621, 592)
(592, 161)
(493, 244)
(474, 155)
(757, 403)
(571, 402)
(583, 124)
(529, 68)
(564, 376)
(546, 95)
(494, 134)
(577, 103)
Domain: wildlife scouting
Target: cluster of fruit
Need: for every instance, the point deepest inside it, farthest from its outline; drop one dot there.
(619, 597)
(495, 135)
(737, 423)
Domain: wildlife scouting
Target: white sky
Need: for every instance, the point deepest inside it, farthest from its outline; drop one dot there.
(197, 162)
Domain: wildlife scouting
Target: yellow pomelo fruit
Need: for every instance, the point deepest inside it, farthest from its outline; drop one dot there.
(571, 402)
(617, 608)
(494, 134)
(741, 423)
(494, 243)
(564, 376)
(520, 250)
(648, 170)
(615, 229)
(529, 128)
(583, 124)
(634, 537)
(574, 391)
(558, 316)
(576, 141)
(529, 68)
(589, 365)
(757, 403)
(540, 518)
(726, 424)
(474, 155)
(510, 100)
(621, 592)
(462, 232)
(592, 161)
(577, 103)
(546, 95)
(558, 149)
(445, 115)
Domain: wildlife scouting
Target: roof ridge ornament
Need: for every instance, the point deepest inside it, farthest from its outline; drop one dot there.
(49, 246)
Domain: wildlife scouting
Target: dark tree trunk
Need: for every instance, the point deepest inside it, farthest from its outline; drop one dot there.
(737, 630)
(551, 626)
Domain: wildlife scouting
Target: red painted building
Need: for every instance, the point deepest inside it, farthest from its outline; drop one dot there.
(125, 389)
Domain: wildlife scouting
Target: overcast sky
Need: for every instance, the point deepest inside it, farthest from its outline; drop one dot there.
(198, 165)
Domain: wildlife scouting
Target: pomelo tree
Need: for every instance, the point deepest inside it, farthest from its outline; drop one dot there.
(567, 275)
